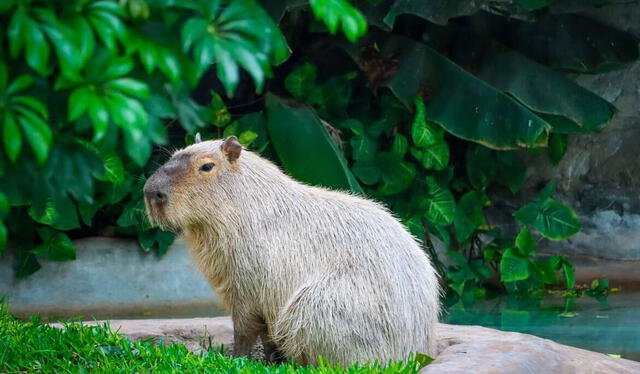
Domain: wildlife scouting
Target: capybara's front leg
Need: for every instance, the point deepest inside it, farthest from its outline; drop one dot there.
(245, 334)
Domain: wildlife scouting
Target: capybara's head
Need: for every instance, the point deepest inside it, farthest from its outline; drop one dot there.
(187, 188)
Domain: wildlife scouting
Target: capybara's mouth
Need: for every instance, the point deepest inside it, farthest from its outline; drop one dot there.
(157, 217)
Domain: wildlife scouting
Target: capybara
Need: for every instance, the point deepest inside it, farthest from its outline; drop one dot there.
(313, 272)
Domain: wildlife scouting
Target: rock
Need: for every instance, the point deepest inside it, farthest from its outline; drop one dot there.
(478, 350)
(462, 349)
(600, 174)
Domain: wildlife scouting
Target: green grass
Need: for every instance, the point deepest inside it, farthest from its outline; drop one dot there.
(35, 347)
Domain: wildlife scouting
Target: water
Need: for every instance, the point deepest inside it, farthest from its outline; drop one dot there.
(611, 326)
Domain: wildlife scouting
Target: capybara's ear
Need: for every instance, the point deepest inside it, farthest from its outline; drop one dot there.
(198, 138)
(231, 148)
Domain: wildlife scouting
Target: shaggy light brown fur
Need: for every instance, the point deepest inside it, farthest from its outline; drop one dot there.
(313, 272)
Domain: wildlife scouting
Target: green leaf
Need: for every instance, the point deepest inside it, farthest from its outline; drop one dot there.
(364, 149)
(133, 215)
(556, 97)
(169, 64)
(247, 137)
(293, 144)
(440, 232)
(422, 133)
(400, 145)
(37, 133)
(4, 205)
(113, 169)
(63, 42)
(368, 172)
(148, 239)
(19, 84)
(569, 42)
(569, 275)
(128, 113)
(423, 360)
(129, 86)
(3, 238)
(78, 102)
(4, 76)
(227, 37)
(85, 39)
(17, 31)
(59, 214)
(557, 147)
(483, 114)
(463, 225)
(11, 137)
(73, 166)
(56, 246)
(301, 80)
(546, 192)
(545, 272)
(511, 171)
(27, 264)
(436, 11)
(551, 218)
(469, 215)
(434, 156)
(533, 4)
(513, 267)
(193, 31)
(221, 115)
(481, 166)
(32, 104)
(397, 175)
(139, 149)
(99, 116)
(525, 242)
(36, 47)
(441, 205)
(339, 12)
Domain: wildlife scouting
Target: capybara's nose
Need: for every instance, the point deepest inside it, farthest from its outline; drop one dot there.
(160, 197)
(154, 195)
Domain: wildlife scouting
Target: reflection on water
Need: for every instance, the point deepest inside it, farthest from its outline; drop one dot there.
(609, 326)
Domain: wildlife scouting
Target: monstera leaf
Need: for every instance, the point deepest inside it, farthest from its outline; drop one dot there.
(462, 104)
(296, 133)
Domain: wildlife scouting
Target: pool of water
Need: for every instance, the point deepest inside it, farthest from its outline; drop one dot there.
(609, 326)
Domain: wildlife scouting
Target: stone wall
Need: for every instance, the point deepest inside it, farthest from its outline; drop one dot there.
(600, 174)
(112, 278)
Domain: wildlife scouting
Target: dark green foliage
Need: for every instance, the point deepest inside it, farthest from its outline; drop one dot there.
(427, 106)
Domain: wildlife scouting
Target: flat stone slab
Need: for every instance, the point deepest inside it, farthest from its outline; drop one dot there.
(462, 349)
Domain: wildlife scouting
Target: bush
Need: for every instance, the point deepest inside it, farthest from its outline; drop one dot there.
(425, 108)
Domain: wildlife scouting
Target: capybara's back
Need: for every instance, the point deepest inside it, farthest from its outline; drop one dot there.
(313, 272)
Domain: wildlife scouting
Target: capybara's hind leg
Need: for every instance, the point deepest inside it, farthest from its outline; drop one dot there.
(271, 352)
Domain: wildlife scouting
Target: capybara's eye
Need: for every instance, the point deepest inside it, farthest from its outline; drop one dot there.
(207, 167)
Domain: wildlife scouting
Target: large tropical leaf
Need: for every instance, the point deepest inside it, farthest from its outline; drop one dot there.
(567, 41)
(572, 6)
(461, 103)
(305, 148)
(436, 11)
(557, 98)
